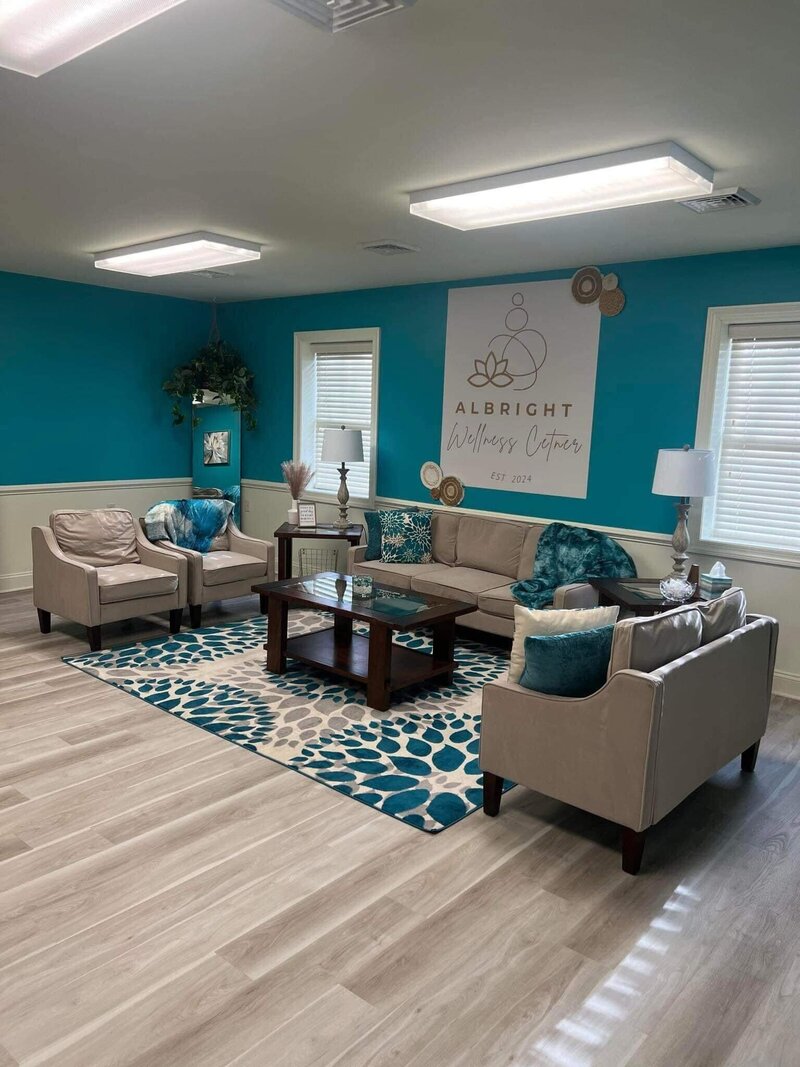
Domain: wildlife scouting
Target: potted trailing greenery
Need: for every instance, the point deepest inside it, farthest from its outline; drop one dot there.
(219, 370)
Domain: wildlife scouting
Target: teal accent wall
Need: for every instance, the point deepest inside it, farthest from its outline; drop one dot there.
(648, 376)
(81, 369)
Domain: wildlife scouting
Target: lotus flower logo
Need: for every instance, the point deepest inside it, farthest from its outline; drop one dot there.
(491, 371)
(522, 350)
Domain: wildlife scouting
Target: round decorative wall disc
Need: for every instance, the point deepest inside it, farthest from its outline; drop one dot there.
(610, 281)
(430, 474)
(612, 301)
(587, 284)
(451, 491)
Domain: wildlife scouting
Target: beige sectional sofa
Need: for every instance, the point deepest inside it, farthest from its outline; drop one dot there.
(475, 559)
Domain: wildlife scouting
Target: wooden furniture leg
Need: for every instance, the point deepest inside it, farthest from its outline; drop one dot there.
(263, 602)
(492, 792)
(95, 639)
(342, 630)
(277, 629)
(175, 619)
(284, 558)
(444, 640)
(632, 849)
(195, 615)
(44, 620)
(379, 667)
(749, 757)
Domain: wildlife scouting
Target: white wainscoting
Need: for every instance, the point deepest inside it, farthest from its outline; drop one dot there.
(24, 506)
(771, 589)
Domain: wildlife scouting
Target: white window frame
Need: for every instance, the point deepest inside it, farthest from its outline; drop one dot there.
(304, 347)
(719, 320)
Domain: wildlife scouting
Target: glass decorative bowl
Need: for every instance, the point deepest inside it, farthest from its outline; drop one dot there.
(677, 589)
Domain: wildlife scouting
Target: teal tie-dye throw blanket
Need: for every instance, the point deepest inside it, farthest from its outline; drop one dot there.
(567, 554)
(188, 523)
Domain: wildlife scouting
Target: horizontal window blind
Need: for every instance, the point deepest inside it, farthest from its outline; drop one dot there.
(340, 380)
(756, 436)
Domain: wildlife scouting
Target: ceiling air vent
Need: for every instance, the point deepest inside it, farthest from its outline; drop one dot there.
(389, 248)
(335, 15)
(723, 200)
(212, 274)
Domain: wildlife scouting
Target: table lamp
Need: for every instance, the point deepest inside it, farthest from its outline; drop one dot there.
(683, 472)
(342, 446)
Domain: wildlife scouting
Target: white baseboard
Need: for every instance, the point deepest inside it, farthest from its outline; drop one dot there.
(786, 685)
(12, 583)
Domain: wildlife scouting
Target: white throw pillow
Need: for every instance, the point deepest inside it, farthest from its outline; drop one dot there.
(545, 621)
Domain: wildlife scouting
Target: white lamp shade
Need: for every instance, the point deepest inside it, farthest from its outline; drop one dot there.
(684, 472)
(342, 446)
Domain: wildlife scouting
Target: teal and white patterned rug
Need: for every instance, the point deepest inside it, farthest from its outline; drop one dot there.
(418, 762)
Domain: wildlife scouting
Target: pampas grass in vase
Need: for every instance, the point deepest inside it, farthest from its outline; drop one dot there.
(297, 476)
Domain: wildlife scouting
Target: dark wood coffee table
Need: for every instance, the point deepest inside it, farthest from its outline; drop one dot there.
(375, 660)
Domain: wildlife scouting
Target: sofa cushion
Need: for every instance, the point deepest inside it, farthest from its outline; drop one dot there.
(489, 543)
(132, 581)
(219, 568)
(397, 575)
(456, 583)
(102, 538)
(722, 615)
(567, 665)
(372, 521)
(527, 556)
(406, 536)
(444, 530)
(498, 601)
(645, 644)
(547, 621)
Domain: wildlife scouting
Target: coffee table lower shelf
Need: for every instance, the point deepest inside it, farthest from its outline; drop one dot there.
(348, 658)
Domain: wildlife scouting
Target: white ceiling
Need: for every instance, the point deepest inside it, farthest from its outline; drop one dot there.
(236, 117)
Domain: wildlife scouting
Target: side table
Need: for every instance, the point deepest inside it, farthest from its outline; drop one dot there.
(641, 596)
(286, 533)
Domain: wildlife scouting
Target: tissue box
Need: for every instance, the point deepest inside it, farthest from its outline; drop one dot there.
(711, 585)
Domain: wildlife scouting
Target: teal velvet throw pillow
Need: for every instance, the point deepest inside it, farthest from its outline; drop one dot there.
(373, 521)
(568, 665)
(405, 536)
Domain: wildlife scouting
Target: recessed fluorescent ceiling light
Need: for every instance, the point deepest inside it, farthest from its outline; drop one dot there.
(39, 35)
(618, 179)
(177, 255)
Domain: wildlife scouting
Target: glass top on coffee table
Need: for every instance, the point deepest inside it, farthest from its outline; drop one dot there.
(398, 608)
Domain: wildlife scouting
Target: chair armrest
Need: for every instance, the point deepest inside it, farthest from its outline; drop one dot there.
(596, 752)
(63, 585)
(251, 546)
(577, 595)
(355, 555)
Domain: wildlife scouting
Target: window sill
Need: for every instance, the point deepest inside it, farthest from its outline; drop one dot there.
(749, 553)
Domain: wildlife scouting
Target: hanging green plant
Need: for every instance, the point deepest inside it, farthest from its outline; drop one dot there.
(217, 369)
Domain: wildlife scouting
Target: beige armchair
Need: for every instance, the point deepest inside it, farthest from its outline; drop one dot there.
(687, 692)
(229, 570)
(96, 567)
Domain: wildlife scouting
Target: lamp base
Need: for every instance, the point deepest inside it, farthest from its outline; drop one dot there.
(680, 540)
(343, 496)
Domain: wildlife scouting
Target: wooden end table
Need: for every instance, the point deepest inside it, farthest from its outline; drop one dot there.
(641, 596)
(286, 533)
(375, 660)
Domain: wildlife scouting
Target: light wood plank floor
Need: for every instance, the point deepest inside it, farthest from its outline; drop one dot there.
(169, 899)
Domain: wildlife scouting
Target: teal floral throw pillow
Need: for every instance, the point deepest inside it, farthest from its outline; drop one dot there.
(405, 536)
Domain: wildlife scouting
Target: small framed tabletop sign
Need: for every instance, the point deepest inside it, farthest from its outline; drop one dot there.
(307, 515)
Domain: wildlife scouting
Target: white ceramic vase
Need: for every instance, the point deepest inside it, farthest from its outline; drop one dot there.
(294, 513)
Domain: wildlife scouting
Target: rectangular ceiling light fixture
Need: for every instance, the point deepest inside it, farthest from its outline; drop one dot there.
(177, 255)
(38, 35)
(644, 175)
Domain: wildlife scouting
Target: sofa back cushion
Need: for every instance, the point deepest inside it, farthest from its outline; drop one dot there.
(722, 615)
(645, 644)
(489, 545)
(103, 538)
(444, 530)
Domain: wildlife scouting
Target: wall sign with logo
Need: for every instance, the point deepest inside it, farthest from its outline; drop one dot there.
(520, 368)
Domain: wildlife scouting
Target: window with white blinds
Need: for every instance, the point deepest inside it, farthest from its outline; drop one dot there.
(755, 434)
(336, 386)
